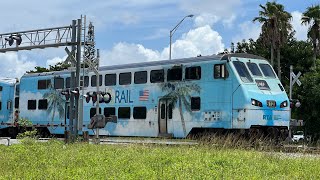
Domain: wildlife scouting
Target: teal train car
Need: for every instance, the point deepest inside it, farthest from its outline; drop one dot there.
(176, 98)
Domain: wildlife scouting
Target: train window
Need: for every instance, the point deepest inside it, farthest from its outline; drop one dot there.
(125, 78)
(195, 103)
(140, 77)
(242, 71)
(58, 83)
(110, 79)
(163, 111)
(253, 67)
(94, 80)
(220, 71)
(174, 74)
(32, 104)
(124, 112)
(170, 107)
(0, 88)
(17, 89)
(44, 84)
(85, 81)
(157, 76)
(43, 104)
(193, 73)
(0, 105)
(93, 112)
(139, 112)
(109, 111)
(9, 104)
(68, 83)
(267, 70)
(16, 102)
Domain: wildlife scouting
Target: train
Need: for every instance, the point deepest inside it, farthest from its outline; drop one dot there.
(168, 98)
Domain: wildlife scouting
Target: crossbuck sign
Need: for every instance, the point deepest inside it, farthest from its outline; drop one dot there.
(294, 79)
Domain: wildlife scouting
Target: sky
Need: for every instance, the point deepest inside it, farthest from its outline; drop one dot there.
(129, 31)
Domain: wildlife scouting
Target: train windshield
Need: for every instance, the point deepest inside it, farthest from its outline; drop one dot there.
(253, 67)
(267, 70)
(242, 71)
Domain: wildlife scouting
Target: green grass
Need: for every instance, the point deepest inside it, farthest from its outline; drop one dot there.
(55, 160)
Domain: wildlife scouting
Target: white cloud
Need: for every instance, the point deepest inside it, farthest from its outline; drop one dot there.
(247, 30)
(212, 11)
(301, 30)
(205, 19)
(202, 40)
(55, 60)
(13, 65)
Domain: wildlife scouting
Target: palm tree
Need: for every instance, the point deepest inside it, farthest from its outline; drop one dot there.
(180, 93)
(55, 103)
(275, 28)
(312, 17)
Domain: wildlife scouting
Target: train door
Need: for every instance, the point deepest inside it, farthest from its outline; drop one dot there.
(165, 114)
(163, 119)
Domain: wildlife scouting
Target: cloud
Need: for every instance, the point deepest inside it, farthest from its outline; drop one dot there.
(301, 30)
(202, 40)
(224, 11)
(13, 65)
(247, 30)
(55, 60)
(205, 19)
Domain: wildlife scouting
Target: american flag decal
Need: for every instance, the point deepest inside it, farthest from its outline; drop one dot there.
(144, 95)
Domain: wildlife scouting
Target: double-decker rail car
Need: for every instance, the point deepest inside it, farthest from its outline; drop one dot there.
(166, 98)
(9, 104)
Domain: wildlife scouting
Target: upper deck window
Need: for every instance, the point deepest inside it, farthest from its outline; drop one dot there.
(253, 67)
(267, 70)
(110, 79)
(85, 81)
(157, 76)
(58, 83)
(140, 77)
(0, 88)
(175, 74)
(68, 82)
(44, 84)
(193, 73)
(94, 80)
(125, 78)
(242, 71)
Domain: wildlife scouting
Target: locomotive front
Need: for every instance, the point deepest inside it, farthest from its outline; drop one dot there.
(260, 103)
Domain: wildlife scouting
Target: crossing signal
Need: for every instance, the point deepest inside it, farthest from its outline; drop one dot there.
(18, 39)
(94, 97)
(87, 96)
(66, 94)
(10, 40)
(76, 93)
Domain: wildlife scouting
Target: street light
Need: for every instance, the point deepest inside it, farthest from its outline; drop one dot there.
(174, 30)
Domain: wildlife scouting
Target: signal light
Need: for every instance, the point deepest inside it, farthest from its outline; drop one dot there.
(10, 40)
(94, 97)
(18, 39)
(87, 96)
(66, 93)
(76, 93)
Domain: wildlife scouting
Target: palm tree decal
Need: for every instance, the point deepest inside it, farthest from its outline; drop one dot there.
(179, 92)
(312, 16)
(275, 28)
(55, 103)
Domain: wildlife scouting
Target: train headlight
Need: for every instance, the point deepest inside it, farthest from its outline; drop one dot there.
(255, 102)
(284, 104)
